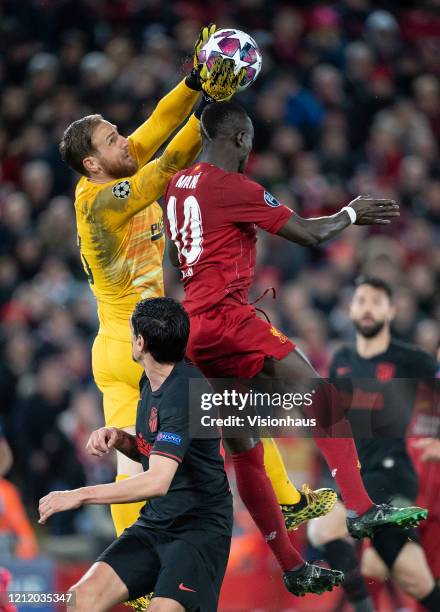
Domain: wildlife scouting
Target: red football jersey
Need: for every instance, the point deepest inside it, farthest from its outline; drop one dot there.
(212, 218)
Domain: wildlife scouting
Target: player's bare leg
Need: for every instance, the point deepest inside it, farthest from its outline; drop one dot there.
(98, 590)
(412, 572)
(373, 567)
(329, 527)
(410, 568)
(328, 534)
(334, 439)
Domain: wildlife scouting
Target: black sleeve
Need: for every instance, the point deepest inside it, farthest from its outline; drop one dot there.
(343, 386)
(340, 361)
(334, 364)
(424, 365)
(173, 438)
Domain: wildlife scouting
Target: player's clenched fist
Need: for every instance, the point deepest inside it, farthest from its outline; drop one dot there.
(102, 441)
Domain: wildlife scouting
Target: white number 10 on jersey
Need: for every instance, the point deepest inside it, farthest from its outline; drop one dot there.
(189, 239)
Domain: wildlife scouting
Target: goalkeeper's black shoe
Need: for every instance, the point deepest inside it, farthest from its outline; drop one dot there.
(312, 504)
(384, 515)
(312, 579)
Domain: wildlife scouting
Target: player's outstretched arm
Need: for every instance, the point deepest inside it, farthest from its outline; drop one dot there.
(364, 210)
(171, 110)
(119, 202)
(155, 482)
(182, 150)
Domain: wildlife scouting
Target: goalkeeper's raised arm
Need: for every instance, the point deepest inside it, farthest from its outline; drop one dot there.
(94, 148)
(172, 109)
(117, 204)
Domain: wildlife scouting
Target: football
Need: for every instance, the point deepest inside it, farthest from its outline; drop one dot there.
(237, 45)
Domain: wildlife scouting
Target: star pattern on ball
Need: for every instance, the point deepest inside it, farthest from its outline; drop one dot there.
(235, 45)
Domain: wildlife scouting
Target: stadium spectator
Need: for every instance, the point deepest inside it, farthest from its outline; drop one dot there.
(16, 534)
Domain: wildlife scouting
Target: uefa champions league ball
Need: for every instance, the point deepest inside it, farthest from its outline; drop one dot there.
(238, 46)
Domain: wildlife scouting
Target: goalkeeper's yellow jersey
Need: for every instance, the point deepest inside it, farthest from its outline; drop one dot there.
(120, 224)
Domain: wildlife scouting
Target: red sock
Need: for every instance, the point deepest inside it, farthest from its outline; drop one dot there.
(343, 462)
(256, 491)
(333, 437)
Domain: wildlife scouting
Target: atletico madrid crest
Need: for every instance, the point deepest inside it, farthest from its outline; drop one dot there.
(385, 371)
(153, 420)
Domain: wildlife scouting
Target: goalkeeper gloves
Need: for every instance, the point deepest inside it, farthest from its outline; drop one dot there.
(205, 34)
(220, 83)
(194, 79)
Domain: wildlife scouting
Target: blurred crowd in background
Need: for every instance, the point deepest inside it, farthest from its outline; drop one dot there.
(348, 103)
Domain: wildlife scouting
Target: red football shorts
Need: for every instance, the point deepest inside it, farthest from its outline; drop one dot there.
(231, 341)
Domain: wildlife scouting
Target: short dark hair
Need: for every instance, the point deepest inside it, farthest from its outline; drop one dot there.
(220, 115)
(163, 323)
(76, 143)
(376, 283)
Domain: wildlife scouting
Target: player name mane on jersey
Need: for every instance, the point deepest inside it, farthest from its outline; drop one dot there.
(188, 182)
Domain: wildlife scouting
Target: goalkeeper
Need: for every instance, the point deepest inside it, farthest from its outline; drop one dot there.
(120, 229)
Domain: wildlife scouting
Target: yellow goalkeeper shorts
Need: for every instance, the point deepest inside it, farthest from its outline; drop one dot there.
(117, 377)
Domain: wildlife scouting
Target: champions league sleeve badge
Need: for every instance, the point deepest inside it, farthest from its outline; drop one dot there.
(270, 200)
(121, 190)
